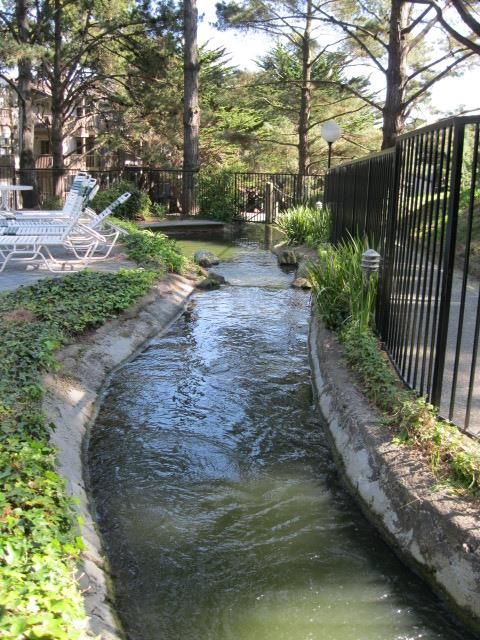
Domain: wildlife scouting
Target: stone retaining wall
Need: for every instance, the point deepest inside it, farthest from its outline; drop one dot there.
(71, 404)
(437, 534)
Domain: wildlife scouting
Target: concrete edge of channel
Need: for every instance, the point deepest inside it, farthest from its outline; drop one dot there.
(71, 404)
(436, 534)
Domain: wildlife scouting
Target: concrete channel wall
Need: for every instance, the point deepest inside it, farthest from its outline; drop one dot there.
(437, 534)
(71, 403)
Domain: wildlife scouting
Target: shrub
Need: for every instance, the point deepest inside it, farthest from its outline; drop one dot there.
(152, 250)
(305, 225)
(137, 207)
(217, 196)
(52, 203)
(341, 292)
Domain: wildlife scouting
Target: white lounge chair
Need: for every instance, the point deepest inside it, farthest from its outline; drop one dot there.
(33, 245)
(98, 224)
(34, 241)
(83, 186)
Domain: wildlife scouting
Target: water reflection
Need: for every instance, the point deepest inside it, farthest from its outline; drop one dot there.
(217, 495)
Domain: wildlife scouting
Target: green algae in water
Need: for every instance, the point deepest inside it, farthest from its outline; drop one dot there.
(225, 251)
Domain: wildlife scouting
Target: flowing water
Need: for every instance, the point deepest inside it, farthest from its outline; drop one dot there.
(216, 494)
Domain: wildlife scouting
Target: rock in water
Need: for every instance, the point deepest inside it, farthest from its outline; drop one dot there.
(205, 258)
(213, 281)
(216, 276)
(301, 283)
(287, 257)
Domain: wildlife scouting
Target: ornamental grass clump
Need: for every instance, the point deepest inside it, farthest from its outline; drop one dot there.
(342, 293)
(305, 225)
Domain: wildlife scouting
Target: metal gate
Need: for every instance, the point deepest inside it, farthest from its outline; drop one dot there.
(260, 197)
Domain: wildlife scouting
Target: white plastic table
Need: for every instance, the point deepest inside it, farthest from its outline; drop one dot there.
(5, 190)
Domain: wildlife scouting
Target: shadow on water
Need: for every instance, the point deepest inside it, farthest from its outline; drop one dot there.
(216, 494)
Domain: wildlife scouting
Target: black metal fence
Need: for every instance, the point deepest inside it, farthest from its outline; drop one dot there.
(223, 194)
(419, 203)
(248, 193)
(164, 186)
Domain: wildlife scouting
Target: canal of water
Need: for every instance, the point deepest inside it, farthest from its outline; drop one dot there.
(220, 507)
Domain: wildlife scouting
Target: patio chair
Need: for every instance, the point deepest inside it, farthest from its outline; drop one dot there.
(83, 186)
(34, 245)
(29, 242)
(36, 248)
(98, 224)
(87, 217)
(30, 224)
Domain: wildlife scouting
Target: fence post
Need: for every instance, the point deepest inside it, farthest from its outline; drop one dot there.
(448, 263)
(269, 202)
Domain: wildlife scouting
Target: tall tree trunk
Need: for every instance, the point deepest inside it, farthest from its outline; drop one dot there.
(305, 105)
(393, 115)
(58, 164)
(26, 123)
(306, 95)
(191, 110)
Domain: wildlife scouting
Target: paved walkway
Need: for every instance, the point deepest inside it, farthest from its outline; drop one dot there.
(17, 274)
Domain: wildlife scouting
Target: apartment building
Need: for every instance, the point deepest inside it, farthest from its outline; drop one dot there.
(81, 130)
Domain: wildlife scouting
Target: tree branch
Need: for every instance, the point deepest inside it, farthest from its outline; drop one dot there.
(467, 42)
(435, 79)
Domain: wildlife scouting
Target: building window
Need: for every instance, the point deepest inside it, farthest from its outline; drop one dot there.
(44, 147)
(79, 146)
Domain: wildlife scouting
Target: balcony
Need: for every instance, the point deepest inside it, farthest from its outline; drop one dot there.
(75, 161)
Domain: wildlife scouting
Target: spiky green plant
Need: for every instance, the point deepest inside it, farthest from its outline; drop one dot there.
(341, 291)
(305, 225)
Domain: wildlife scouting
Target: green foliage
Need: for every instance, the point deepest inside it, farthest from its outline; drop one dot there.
(158, 210)
(52, 203)
(450, 454)
(39, 543)
(305, 225)
(217, 196)
(152, 250)
(377, 380)
(341, 291)
(346, 302)
(137, 207)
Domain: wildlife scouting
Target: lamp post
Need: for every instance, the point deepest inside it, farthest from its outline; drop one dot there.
(331, 132)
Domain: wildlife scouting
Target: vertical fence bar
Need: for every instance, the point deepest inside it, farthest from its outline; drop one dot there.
(427, 236)
(385, 293)
(440, 215)
(419, 268)
(466, 266)
(449, 260)
(402, 254)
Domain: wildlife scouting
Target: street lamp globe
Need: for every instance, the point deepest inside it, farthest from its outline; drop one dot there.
(331, 132)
